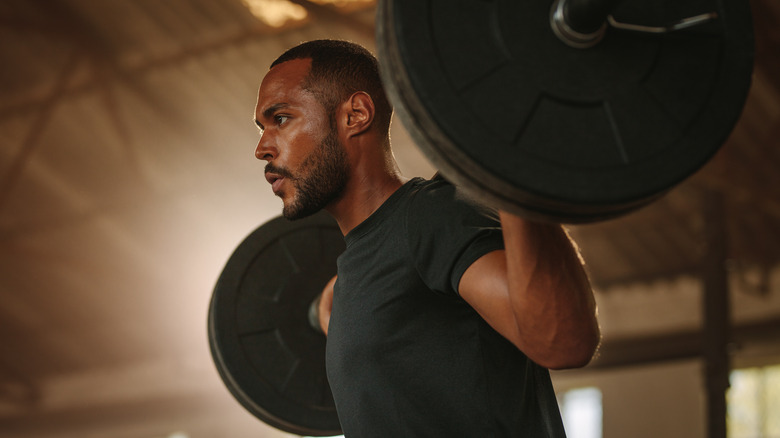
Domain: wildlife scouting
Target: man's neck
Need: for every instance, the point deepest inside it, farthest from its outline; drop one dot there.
(363, 196)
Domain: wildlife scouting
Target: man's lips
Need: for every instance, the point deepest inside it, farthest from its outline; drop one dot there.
(276, 176)
(275, 180)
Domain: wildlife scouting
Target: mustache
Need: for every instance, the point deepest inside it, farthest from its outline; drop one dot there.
(281, 171)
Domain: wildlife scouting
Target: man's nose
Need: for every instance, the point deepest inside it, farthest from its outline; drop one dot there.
(265, 149)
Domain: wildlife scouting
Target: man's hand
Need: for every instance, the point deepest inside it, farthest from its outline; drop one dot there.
(326, 305)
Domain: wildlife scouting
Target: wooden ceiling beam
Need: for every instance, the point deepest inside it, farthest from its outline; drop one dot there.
(685, 345)
(644, 277)
(738, 192)
(46, 109)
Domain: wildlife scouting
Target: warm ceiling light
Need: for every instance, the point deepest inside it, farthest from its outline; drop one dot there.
(275, 13)
(349, 5)
(341, 3)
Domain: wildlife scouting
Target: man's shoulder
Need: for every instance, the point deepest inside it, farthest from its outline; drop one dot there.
(436, 187)
(438, 195)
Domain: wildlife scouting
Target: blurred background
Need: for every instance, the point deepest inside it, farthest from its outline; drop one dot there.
(127, 178)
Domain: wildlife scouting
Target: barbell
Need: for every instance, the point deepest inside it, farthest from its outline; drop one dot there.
(553, 124)
(568, 110)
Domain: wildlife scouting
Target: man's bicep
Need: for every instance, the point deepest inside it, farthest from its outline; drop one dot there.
(484, 286)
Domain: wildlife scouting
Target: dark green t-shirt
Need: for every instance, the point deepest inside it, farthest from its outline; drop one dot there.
(406, 356)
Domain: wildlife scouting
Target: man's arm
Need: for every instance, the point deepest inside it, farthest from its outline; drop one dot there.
(536, 294)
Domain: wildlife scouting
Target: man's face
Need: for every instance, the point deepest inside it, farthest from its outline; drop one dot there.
(307, 164)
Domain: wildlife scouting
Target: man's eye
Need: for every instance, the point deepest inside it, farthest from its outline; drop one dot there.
(280, 119)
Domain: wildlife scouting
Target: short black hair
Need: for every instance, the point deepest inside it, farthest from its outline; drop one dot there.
(339, 69)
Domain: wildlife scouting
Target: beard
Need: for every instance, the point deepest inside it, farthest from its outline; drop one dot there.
(320, 180)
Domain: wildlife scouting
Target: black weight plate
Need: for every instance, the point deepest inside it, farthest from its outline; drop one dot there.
(510, 113)
(267, 353)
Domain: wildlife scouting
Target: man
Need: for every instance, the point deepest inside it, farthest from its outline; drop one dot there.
(444, 319)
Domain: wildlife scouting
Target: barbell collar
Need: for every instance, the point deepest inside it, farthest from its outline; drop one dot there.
(581, 23)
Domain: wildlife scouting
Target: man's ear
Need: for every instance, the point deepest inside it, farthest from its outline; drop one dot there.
(358, 113)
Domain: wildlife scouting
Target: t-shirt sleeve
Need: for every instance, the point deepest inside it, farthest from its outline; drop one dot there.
(447, 233)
